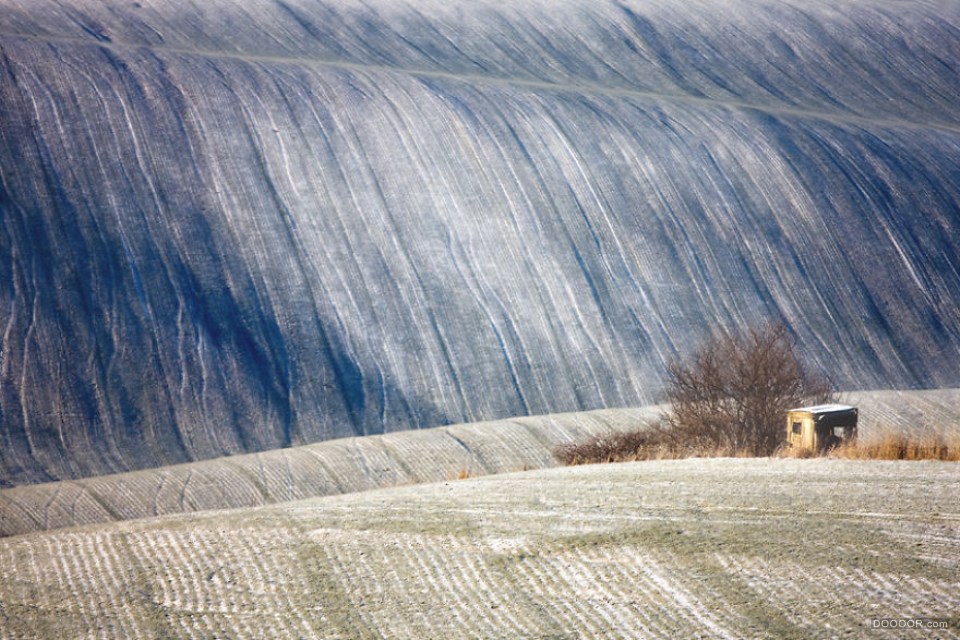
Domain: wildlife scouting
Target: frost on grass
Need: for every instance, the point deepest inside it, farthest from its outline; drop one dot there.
(718, 548)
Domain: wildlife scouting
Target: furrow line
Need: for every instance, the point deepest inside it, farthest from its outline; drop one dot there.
(537, 85)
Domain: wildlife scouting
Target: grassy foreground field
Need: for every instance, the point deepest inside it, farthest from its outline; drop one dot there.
(715, 548)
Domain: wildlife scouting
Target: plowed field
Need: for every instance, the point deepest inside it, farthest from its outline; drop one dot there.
(719, 548)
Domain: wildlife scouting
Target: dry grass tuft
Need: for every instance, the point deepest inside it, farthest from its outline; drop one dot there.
(795, 452)
(900, 447)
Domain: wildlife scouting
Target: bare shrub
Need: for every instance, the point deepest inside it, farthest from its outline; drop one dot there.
(611, 447)
(727, 399)
(646, 443)
(731, 394)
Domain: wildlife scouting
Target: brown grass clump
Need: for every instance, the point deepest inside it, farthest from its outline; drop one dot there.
(464, 473)
(795, 452)
(900, 447)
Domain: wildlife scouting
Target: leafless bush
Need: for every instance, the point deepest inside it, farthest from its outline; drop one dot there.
(727, 399)
(612, 447)
(647, 443)
(732, 393)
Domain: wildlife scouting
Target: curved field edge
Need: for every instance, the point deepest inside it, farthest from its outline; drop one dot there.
(359, 464)
(326, 468)
(708, 548)
(297, 220)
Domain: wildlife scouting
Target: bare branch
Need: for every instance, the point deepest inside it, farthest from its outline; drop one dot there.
(732, 392)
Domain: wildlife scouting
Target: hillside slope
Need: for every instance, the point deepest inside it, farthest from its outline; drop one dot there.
(327, 468)
(231, 227)
(717, 548)
(360, 464)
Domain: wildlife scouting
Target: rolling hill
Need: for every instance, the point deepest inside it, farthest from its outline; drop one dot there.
(331, 467)
(718, 548)
(409, 457)
(233, 227)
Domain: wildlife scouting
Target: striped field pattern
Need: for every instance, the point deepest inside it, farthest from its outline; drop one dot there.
(326, 468)
(718, 548)
(234, 226)
(359, 464)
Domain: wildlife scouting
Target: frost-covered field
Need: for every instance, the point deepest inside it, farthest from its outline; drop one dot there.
(358, 464)
(234, 226)
(326, 468)
(718, 548)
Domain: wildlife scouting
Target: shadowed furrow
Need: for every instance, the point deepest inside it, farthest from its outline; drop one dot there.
(233, 228)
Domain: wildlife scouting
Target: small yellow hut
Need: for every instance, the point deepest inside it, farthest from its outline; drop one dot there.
(821, 427)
